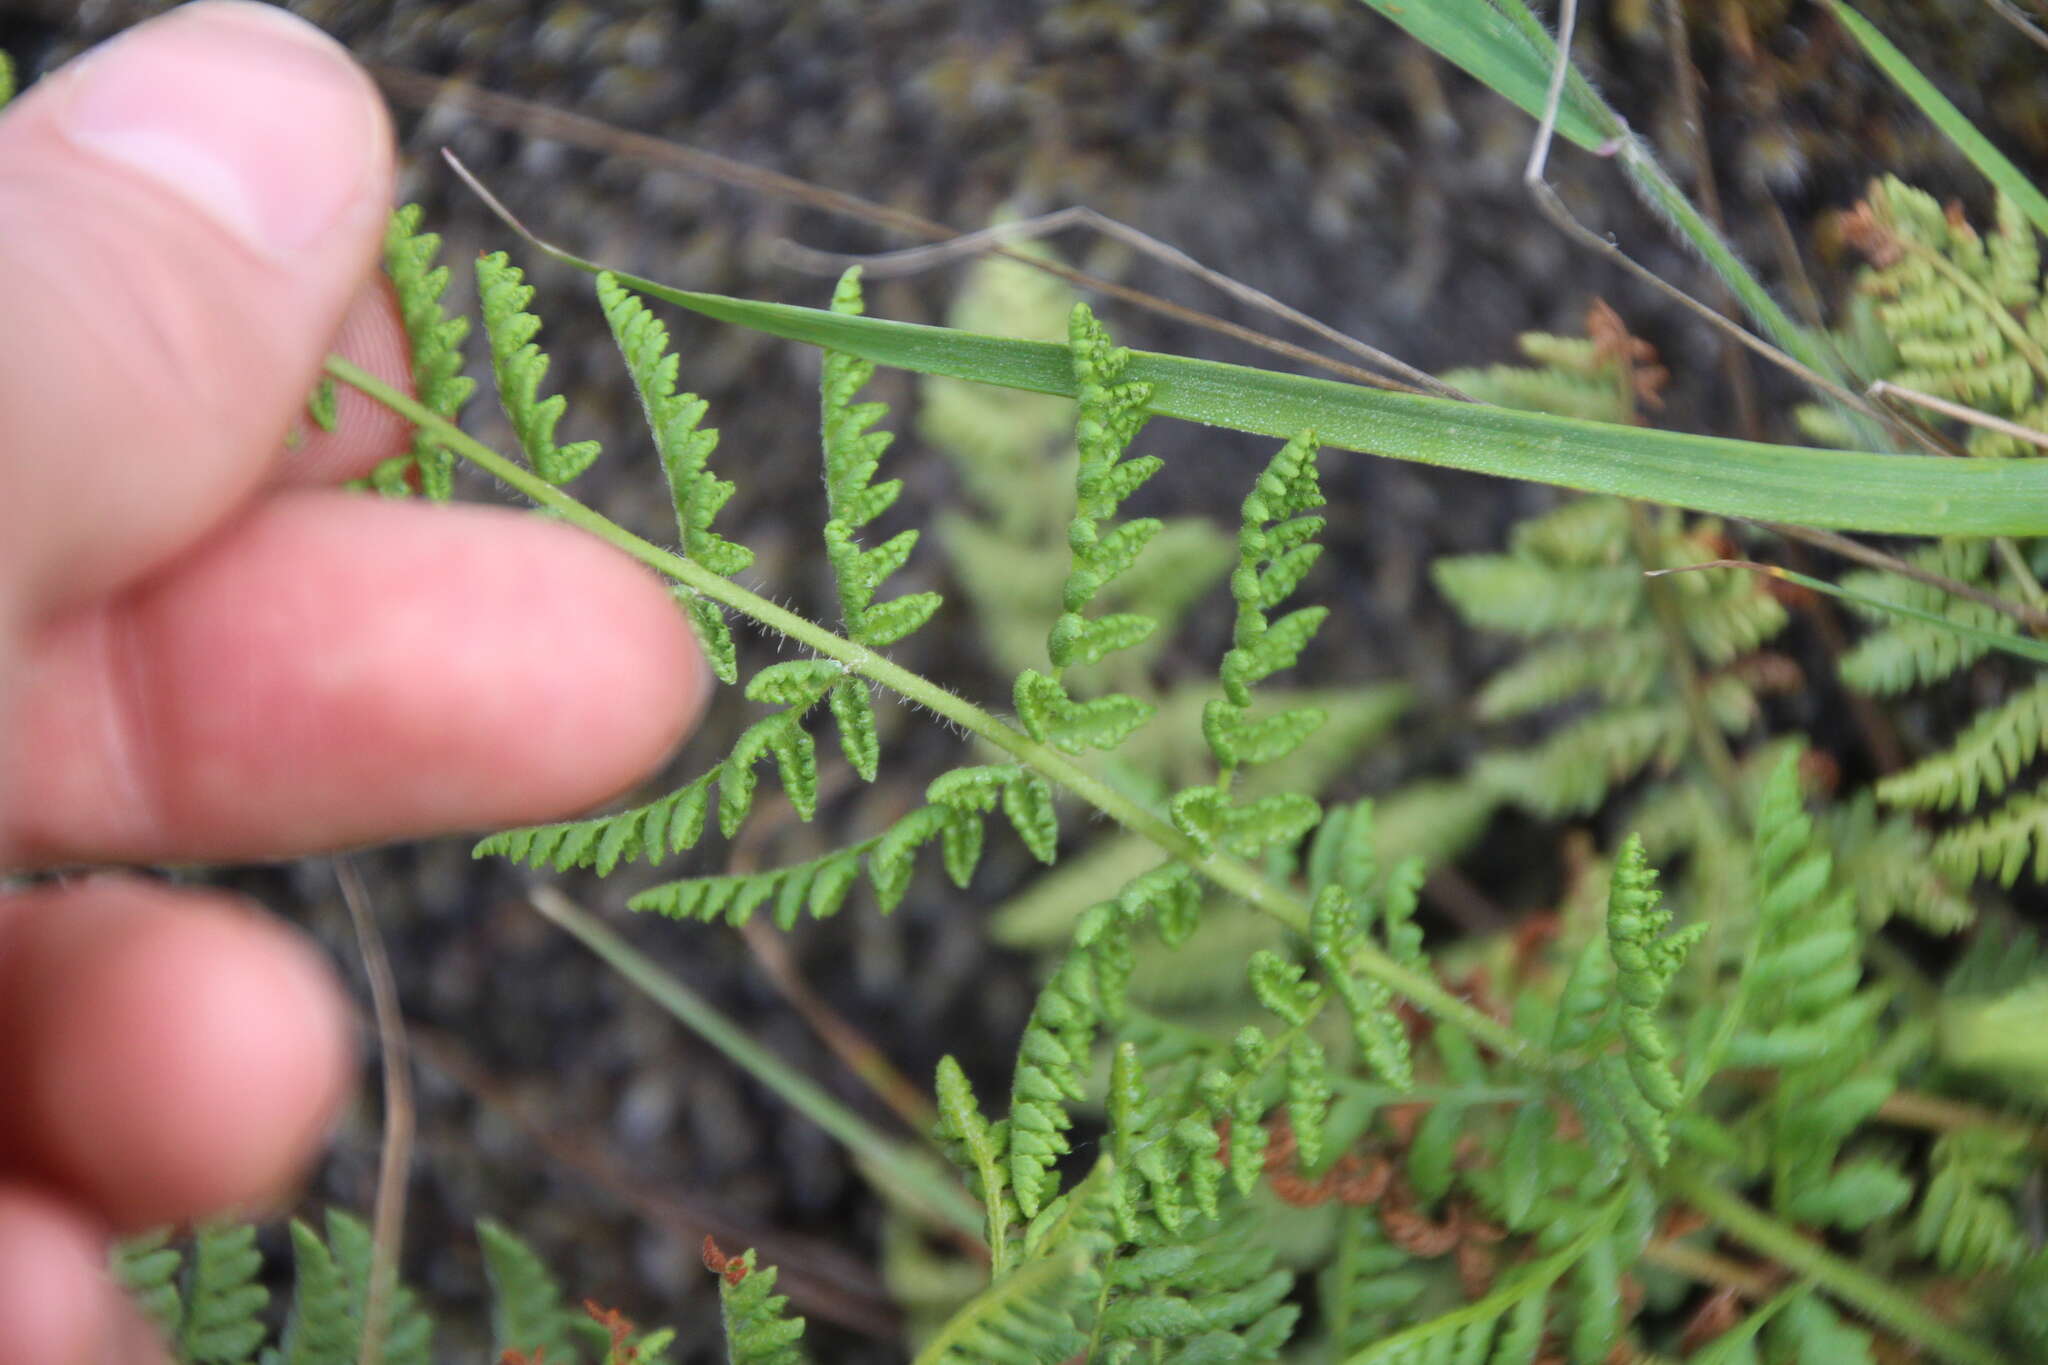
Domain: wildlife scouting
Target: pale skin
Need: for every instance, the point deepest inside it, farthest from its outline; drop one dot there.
(209, 652)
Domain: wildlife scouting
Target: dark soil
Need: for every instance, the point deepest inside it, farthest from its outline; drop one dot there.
(1307, 148)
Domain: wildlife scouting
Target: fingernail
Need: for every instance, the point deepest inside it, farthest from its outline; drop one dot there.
(252, 116)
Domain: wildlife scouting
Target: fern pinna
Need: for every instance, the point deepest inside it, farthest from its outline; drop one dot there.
(204, 1294)
(1554, 1146)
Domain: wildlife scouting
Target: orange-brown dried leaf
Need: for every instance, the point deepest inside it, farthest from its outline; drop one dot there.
(1819, 772)
(1364, 1182)
(1415, 1234)
(618, 1326)
(1534, 934)
(1717, 1313)
(1475, 1261)
(1866, 232)
(1634, 356)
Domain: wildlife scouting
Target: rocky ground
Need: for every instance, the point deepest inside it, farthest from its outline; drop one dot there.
(1304, 146)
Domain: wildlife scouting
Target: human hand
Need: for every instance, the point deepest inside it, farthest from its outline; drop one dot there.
(206, 654)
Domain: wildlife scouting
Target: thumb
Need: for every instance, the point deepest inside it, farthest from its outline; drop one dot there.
(185, 215)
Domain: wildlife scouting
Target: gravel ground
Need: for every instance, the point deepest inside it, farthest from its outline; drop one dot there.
(1307, 148)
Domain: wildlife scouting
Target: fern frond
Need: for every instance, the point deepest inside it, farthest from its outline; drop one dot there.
(1583, 531)
(1646, 958)
(1050, 716)
(1966, 1221)
(1526, 596)
(1999, 846)
(213, 1312)
(1604, 376)
(146, 1266)
(323, 1328)
(1904, 653)
(1614, 990)
(852, 452)
(1012, 556)
(519, 367)
(1908, 654)
(1888, 860)
(759, 1329)
(659, 829)
(1368, 1284)
(1595, 1299)
(1622, 671)
(673, 418)
(1809, 1329)
(1212, 819)
(1210, 1292)
(1725, 616)
(1800, 1005)
(1038, 1312)
(1997, 1034)
(1982, 761)
(957, 803)
(1025, 1318)
(1963, 310)
(1279, 985)
(408, 1331)
(852, 455)
(223, 1301)
(436, 345)
(1111, 412)
(782, 737)
(817, 887)
(1276, 548)
(977, 1147)
(1337, 930)
(1147, 1167)
(1572, 771)
(1052, 1067)
(527, 1312)
(685, 450)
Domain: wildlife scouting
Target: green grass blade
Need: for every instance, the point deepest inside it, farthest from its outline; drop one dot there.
(1479, 40)
(1855, 491)
(919, 1181)
(1945, 116)
(1503, 45)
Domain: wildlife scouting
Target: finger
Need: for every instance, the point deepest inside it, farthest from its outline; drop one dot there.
(185, 216)
(55, 1298)
(165, 1053)
(335, 669)
(365, 431)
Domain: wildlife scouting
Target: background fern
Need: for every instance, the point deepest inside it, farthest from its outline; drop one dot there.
(205, 1295)
(1960, 315)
